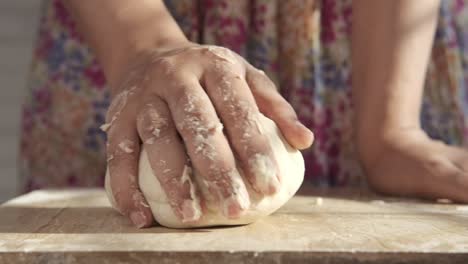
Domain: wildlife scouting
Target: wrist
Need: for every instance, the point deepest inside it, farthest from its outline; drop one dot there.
(130, 51)
(135, 43)
(119, 30)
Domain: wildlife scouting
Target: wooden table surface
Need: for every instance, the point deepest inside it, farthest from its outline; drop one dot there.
(341, 226)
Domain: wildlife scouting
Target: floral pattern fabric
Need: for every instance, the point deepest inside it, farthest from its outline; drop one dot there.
(303, 45)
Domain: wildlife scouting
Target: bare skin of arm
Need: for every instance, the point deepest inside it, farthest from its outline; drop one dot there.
(119, 30)
(391, 45)
(164, 86)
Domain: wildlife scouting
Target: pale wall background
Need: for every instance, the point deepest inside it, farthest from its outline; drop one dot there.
(18, 24)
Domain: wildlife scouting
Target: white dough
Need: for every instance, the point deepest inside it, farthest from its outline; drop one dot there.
(291, 174)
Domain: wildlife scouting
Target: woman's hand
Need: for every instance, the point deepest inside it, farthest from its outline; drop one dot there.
(195, 106)
(177, 98)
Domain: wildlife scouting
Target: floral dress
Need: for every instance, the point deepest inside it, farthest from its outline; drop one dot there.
(303, 45)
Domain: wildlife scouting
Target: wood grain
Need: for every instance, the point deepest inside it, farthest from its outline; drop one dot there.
(343, 226)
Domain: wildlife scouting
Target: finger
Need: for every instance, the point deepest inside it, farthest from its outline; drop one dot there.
(123, 154)
(208, 148)
(237, 108)
(168, 159)
(458, 155)
(274, 106)
(456, 178)
(446, 180)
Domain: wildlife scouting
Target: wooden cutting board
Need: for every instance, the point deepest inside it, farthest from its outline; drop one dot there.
(341, 226)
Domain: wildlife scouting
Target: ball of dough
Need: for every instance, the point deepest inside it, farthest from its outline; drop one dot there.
(291, 174)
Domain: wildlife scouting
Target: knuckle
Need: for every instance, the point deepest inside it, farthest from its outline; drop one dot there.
(259, 76)
(154, 123)
(201, 130)
(242, 110)
(285, 108)
(245, 118)
(117, 110)
(120, 146)
(219, 177)
(218, 68)
(119, 102)
(164, 65)
(435, 163)
(222, 59)
(458, 178)
(196, 115)
(220, 168)
(203, 144)
(182, 95)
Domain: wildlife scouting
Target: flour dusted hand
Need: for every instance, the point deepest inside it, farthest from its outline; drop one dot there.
(196, 109)
(291, 172)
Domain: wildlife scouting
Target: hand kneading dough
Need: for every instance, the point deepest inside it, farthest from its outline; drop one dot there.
(291, 173)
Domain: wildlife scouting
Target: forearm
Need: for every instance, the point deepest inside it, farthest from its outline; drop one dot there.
(118, 30)
(391, 43)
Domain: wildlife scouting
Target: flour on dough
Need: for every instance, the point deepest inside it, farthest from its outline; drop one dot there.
(291, 172)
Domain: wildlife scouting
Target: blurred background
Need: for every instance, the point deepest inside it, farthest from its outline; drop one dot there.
(18, 24)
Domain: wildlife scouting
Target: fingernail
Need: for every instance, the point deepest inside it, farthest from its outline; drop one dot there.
(304, 128)
(138, 219)
(236, 205)
(232, 208)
